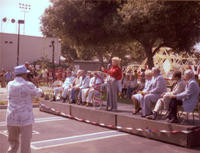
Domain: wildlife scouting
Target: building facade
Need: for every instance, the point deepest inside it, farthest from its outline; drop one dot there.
(31, 48)
(89, 65)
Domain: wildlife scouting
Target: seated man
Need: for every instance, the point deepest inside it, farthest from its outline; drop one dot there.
(84, 85)
(164, 101)
(137, 98)
(84, 91)
(66, 85)
(76, 84)
(76, 91)
(93, 87)
(58, 87)
(188, 98)
(157, 89)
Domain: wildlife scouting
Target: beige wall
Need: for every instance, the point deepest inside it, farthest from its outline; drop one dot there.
(31, 49)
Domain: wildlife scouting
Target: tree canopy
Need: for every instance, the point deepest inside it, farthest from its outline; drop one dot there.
(83, 23)
(158, 24)
(104, 27)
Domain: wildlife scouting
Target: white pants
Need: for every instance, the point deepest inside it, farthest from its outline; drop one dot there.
(162, 102)
(84, 94)
(90, 95)
(57, 90)
(13, 138)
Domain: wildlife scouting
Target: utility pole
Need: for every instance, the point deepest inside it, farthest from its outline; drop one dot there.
(18, 39)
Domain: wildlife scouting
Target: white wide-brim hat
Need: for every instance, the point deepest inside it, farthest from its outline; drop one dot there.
(116, 59)
(21, 69)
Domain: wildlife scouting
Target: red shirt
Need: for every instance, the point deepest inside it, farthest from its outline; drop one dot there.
(115, 72)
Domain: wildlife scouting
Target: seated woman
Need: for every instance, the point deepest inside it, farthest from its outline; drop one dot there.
(137, 98)
(164, 101)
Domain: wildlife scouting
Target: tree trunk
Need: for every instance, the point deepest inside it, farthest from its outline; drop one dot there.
(100, 57)
(148, 50)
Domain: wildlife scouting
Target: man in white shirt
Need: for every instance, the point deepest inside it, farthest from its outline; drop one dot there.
(84, 85)
(67, 84)
(88, 93)
(19, 114)
(75, 85)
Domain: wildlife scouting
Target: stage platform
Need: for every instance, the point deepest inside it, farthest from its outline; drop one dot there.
(187, 135)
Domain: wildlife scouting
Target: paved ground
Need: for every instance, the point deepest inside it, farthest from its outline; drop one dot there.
(53, 134)
(3, 94)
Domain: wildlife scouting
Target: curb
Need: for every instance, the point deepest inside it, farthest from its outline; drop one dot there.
(5, 106)
(181, 135)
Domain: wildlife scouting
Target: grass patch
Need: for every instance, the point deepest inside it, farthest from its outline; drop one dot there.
(124, 100)
(120, 99)
(3, 102)
(36, 100)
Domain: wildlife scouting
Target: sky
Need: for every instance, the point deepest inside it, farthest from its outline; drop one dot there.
(10, 9)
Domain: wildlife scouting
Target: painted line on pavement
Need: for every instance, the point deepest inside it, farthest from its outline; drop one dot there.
(5, 132)
(75, 139)
(41, 120)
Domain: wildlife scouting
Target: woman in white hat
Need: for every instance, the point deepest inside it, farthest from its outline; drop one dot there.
(115, 72)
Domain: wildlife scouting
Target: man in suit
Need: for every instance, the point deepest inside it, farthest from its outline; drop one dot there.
(188, 98)
(158, 87)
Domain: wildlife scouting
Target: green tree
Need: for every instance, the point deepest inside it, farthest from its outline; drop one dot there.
(157, 24)
(82, 23)
(103, 28)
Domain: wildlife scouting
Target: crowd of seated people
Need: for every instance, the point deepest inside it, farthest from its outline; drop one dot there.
(149, 96)
(163, 102)
(80, 87)
(185, 92)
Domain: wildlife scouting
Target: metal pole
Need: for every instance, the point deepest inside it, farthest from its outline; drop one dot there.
(24, 22)
(53, 52)
(18, 39)
(25, 9)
